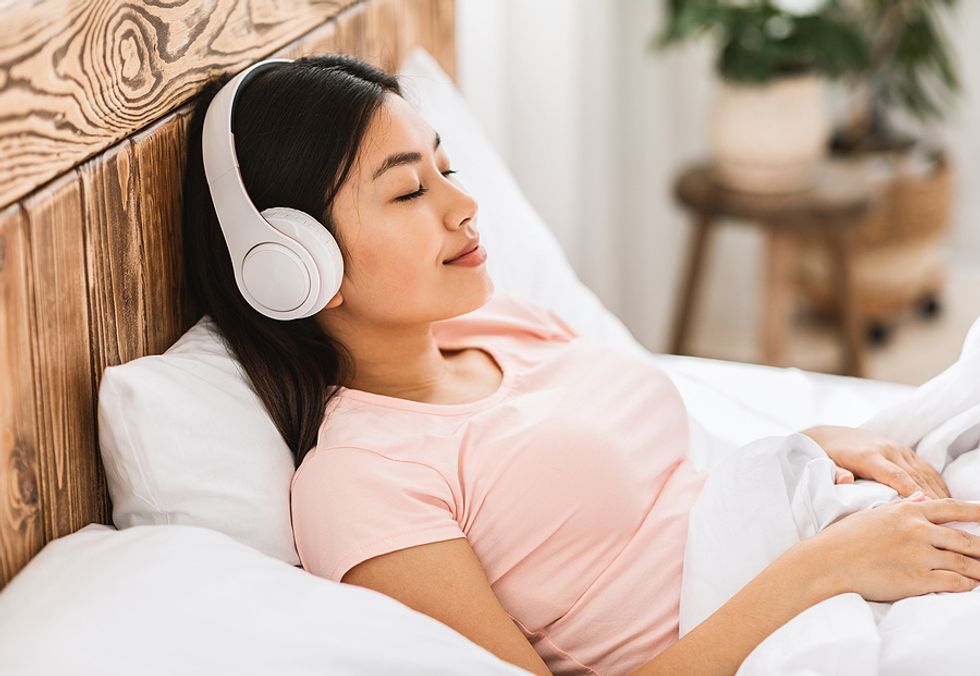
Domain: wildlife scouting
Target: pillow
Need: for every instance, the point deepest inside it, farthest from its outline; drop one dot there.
(188, 600)
(185, 440)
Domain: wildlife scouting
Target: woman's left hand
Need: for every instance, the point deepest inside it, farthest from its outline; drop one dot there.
(866, 455)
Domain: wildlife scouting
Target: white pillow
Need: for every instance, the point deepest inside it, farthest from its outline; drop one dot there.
(184, 438)
(186, 600)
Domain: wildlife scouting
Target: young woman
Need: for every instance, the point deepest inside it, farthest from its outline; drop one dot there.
(465, 452)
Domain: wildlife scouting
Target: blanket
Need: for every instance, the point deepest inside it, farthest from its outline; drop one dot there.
(774, 492)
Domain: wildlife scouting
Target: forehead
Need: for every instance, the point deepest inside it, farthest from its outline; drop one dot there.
(395, 127)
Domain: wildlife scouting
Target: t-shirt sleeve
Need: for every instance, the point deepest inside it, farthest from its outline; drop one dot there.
(350, 504)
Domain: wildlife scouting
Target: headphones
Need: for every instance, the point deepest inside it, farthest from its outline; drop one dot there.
(287, 264)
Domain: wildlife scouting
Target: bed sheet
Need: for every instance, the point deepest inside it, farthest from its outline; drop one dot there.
(734, 403)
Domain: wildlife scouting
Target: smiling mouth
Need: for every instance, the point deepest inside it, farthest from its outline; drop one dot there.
(468, 251)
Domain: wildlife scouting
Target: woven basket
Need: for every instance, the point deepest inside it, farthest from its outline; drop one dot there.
(899, 246)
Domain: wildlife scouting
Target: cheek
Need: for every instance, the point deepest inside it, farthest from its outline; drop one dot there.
(395, 265)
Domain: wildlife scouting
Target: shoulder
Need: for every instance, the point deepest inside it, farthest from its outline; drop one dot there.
(509, 314)
(350, 504)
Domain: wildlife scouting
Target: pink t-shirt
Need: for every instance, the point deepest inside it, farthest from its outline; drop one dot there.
(571, 483)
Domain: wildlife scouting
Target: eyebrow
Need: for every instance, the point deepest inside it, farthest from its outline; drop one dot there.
(402, 158)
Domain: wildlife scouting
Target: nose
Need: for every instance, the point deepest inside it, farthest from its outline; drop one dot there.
(462, 213)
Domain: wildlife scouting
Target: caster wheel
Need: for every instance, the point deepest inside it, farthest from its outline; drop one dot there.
(878, 333)
(930, 307)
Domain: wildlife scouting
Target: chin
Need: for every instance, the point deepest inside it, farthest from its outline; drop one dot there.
(479, 297)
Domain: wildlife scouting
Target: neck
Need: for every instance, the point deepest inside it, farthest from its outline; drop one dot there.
(403, 362)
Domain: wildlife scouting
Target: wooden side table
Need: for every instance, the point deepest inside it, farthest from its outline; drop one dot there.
(841, 197)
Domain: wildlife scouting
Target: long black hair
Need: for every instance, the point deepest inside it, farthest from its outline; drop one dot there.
(298, 127)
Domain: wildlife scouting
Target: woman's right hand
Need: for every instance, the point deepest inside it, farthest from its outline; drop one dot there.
(900, 549)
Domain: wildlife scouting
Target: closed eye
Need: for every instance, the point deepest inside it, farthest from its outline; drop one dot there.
(421, 191)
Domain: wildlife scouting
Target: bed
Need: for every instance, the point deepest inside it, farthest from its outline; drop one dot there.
(94, 306)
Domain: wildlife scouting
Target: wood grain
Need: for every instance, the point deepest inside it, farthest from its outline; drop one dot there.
(91, 271)
(73, 489)
(77, 76)
(114, 253)
(160, 154)
(21, 527)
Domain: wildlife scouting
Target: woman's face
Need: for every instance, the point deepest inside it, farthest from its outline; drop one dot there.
(396, 239)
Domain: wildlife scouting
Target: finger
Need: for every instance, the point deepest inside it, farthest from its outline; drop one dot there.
(955, 540)
(949, 509)
(924, 472)
(843, 476)
(897, 477)
(919, 478)
(958, 563)
(908, 461)
(931, 474)
(948, 581)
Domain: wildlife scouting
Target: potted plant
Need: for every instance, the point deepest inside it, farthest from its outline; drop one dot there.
(774, 57)
(911, 70)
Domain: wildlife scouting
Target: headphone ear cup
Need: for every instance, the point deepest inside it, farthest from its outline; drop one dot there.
(320, 244)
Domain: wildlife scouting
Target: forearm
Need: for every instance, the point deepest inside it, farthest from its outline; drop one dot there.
(788, 586)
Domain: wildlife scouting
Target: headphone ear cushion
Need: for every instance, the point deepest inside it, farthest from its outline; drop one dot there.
(318, 241)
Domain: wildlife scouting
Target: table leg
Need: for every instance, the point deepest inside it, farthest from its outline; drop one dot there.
(848, 320)
(778, 294)
(691, 284)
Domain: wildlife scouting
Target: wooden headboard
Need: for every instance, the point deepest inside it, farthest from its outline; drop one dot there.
(95, 97)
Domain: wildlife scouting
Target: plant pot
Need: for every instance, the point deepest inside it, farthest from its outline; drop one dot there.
(770, 138)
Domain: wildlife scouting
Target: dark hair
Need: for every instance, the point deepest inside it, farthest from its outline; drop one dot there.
(298, 127)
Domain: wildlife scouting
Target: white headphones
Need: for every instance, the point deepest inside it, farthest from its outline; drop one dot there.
(287, 264)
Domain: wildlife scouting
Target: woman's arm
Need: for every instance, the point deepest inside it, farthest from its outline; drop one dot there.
(788, 586)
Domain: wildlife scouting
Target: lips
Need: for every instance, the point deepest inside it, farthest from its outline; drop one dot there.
(469, 246)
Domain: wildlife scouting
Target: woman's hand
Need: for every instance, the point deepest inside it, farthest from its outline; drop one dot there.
(898, 549)
(866, 455)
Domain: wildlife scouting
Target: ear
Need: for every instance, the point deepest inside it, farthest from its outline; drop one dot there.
(337, 299)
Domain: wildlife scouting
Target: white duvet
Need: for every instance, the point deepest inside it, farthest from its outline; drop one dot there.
(767, 495)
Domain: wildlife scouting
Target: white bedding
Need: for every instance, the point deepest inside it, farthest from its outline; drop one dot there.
(762, 498)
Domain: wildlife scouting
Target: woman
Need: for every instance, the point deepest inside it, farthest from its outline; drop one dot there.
(465, 452)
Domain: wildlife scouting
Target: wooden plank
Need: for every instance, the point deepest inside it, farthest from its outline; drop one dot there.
(21, 526)
(73, 489)
(114, 258)
(77, 76)
(160, 154)
(406, 23)
(441, 43)
(383, 45)
(351, 29)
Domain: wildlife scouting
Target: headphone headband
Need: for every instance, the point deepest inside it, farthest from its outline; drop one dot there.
(287, 265)
(232, 202)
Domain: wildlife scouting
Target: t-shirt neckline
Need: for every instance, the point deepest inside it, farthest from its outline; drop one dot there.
(499, 356)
